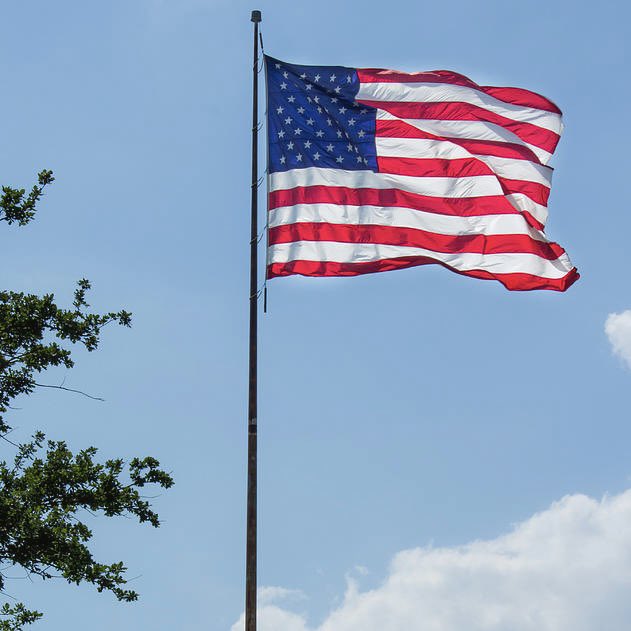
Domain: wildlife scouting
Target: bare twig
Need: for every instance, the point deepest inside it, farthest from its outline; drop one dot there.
(9, 441)
(85, 394)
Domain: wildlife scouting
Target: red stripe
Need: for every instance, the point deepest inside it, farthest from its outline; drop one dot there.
(392, 197)
(539, 193)
(532, 134)
(411, 237)
(400, 129)
(519, 96)
(513, 282)
(433, 167)
(461, 167)
(516, 96)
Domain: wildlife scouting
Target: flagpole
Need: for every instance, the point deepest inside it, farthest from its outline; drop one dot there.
(250, 550)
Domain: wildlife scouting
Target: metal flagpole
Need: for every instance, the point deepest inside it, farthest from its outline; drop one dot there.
(250, 550)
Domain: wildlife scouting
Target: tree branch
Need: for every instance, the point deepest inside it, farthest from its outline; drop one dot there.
(85, 394)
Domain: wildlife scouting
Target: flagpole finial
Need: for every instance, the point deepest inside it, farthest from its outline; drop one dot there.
(256, 16)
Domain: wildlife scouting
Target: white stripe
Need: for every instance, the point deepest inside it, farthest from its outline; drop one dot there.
(367, 252)
(523, 203)
(474, 186)
(473, 130)
(446, 92)
(425, 148)
(398, 217)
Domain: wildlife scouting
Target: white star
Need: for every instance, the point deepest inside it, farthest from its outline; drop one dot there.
(348, 79)
(361, 133)
(319, 110)
(342, 109)
(319, 133)
(282, 159)
(280, 109)
(338, 89)
(291, 98)
(299, 157)
(309, 99)
(290, 146)
(288, 120)
(329, 122)
(316, 99)
(308, 144)
(339, 159)
(333, 100)
(308, 86)
(365, 160)
(283, 86)
(278, 66)
(349, 146)
(363, 111)
(303, 76)
(310, 121)
(359, 158)
(285, 74)
(281, 134)
(339, 133)
(316, 155)
(316, 78)
(298, 131)
(351, 122)
(301, 110)
(329, 147)
(333, 77)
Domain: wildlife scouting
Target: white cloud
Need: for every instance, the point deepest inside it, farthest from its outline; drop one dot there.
(618, 330)
(567, 568)
(271, 616)
(271, 594)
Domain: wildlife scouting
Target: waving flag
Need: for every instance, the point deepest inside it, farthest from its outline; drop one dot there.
(374, 170)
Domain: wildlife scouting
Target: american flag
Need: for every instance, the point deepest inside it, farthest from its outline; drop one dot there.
(374, 170)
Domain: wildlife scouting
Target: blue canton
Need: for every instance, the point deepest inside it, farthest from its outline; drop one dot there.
(314, 120)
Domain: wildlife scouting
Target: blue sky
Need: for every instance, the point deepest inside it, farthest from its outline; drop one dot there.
(401, 410)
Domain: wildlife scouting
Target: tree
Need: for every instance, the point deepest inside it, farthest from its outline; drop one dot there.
(46, 490)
